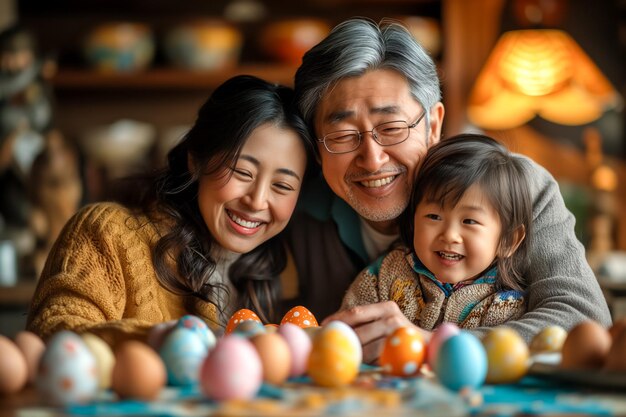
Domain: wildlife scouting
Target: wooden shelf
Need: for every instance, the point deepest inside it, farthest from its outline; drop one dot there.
(166, 78)
(17, 295)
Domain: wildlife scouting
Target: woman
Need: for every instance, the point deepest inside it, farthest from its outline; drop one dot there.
(199, 238)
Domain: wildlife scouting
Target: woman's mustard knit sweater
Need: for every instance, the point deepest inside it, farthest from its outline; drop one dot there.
(99, 278)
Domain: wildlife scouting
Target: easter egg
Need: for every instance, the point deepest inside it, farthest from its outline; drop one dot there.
(197, 325)
(32, 347)
(440, 334)
(461, 362)
(586, 346)
(349, 333)
(13, 367)
(159, 332)
(299, 345)
(616, 358)
(232, 370)
(333, 361)
(249, 328)
(183, 352)
(239, 316)
(549, 339)
(105, 359)
(138, 373)
(275, 356)
(300, 316)
(507, 355)
(403, 352)
(271, 327)
(68, 372)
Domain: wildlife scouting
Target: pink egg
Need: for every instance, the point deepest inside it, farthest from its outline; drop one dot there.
(299, 345)
(232, 370)
(440, 335)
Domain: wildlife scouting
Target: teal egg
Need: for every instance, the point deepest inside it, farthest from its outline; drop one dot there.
(461, 362)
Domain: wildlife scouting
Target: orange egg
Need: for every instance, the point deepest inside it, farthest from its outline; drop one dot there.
(403, 352)
(138, 372)
(32, 347)
(333, 361)
(239, 316)
(616, 358)
(275, 356)
(13, 367)
(586, 346)
(618, 326)
(300, 316)
(271, 327)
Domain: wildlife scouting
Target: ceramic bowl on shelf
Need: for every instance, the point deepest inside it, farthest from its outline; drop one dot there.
(288, 40)
(119, 146)
(209, 44)
(119, 47)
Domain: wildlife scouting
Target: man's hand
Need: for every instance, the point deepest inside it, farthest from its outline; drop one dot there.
(372, 324)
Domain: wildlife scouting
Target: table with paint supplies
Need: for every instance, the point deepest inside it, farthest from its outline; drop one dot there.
(298, 368)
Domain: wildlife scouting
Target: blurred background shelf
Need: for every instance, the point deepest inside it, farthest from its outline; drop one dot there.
(166, 78)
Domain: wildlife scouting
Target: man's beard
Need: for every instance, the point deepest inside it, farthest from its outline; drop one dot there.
(374, 214)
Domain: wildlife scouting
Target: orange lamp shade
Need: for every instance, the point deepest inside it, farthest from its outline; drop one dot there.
(539, 72)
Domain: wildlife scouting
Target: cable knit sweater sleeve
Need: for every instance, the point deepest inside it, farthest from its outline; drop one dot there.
(99, 278)
(562, 288)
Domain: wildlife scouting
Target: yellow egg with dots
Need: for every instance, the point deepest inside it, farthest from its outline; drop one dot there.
(549, 339)
(507, 355)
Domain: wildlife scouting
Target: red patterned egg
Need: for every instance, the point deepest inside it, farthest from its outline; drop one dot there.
(403, 352)
(300, 316)
(239, 316)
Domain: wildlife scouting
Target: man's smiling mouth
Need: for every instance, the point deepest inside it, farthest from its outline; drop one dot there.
(378, 182)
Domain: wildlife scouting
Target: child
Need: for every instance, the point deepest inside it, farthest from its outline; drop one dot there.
(468, 222)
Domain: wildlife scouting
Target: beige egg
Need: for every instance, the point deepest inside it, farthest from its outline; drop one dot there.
(32, 347)
(549, 339)
(275, 356)
(138, 372)
(13, 367)
(105, 359)
(616, 358)
(586, 346)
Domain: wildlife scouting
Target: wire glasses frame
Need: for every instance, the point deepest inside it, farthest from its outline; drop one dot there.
(385, 134)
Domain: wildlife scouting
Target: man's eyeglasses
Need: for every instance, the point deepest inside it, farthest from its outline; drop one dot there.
(385, 134)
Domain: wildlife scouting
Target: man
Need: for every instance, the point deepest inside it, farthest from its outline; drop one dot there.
(351, 84)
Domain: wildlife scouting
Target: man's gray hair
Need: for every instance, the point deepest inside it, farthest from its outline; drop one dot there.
(356, 46)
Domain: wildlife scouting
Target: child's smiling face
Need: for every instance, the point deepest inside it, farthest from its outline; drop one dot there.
(457, 243)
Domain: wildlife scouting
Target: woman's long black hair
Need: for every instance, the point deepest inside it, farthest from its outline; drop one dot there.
(182, 256)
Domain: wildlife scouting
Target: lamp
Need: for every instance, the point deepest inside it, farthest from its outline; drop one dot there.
(539, 72)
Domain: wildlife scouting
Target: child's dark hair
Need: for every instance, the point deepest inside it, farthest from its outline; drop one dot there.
(452, 166)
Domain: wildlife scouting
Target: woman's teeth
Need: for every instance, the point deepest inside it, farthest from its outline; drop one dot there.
(378, 183)
(242, 222)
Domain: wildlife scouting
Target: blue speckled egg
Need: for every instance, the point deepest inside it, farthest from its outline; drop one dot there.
(183, 352)
(197, 325)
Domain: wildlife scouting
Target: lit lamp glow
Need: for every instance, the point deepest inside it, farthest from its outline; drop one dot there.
(539, 72)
